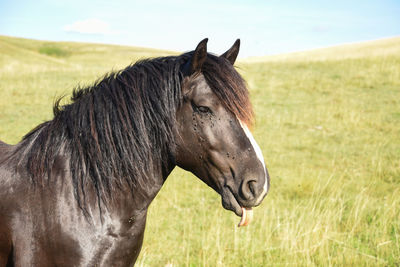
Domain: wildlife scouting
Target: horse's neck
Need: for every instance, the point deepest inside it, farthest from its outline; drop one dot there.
(127, 203)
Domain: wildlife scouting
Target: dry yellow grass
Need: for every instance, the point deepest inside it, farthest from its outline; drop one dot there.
(327, 122)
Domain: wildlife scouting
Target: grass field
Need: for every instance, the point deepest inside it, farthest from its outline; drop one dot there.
(328, 122)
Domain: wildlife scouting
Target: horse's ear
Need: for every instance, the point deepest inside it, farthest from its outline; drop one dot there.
(199, 56)
(232, 52)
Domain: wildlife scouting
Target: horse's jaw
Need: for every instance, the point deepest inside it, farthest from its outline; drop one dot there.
(229, 202)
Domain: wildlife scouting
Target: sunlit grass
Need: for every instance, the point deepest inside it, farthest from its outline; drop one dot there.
(327, 121)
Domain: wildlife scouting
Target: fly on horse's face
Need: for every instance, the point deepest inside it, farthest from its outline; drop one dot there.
(215, 145)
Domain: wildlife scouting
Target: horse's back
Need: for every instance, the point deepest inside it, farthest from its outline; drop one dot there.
(6, 162)
(11, 175)
(5, 150)
(3, 144)
(5, 213)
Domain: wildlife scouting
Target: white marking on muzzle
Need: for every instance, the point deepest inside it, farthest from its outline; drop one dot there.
(259, 154)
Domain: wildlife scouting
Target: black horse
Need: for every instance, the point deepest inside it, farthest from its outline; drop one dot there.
(75, 191)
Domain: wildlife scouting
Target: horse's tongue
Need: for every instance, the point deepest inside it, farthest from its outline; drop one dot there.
(247, 216)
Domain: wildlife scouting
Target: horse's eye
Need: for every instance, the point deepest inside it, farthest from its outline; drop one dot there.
(203, 109)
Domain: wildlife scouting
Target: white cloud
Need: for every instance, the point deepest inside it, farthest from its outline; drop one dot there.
(89, 26)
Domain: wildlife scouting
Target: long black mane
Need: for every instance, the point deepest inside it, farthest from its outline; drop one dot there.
(116, 130)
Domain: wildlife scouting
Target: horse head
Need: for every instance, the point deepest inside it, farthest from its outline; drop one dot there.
(213, 137)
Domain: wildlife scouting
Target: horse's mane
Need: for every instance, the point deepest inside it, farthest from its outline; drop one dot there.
(116, 130)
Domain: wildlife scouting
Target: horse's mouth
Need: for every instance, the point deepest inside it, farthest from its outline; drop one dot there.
(230, 202)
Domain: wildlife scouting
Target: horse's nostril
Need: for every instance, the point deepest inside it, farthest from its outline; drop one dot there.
(248, 189)
(252, 187)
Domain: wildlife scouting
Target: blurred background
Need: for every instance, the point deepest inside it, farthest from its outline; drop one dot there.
(265, 27)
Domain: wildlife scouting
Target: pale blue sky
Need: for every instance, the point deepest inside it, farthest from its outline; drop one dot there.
(265, 27)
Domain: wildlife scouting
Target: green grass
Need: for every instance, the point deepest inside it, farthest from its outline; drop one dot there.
(55, 51)
(328, 122)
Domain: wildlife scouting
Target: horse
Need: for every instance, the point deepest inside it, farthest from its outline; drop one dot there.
(76, 189)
